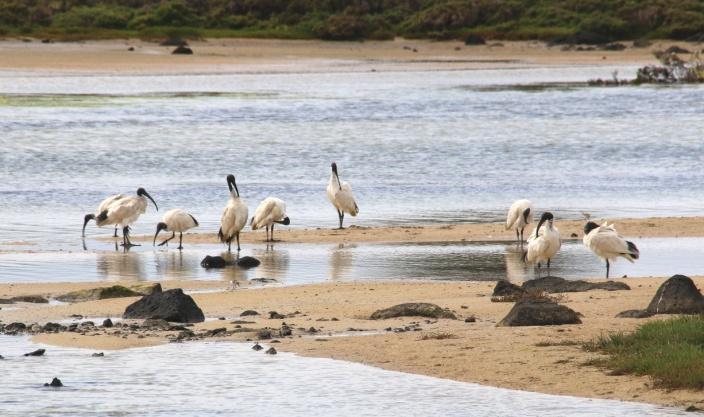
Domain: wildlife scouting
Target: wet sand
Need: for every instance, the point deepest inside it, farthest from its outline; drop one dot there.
(270, 55)
(479, 232)
(475, 352)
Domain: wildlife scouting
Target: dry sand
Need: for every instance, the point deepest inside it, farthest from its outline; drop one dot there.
(635, 228)
(476, 352)
(270, 55)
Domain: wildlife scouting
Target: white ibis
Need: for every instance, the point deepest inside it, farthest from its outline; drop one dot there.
(124, 212)
(605, 242)
(234, 217)
(102, 207)
(270, 211)
(544, 243)
(519, 216)
(340, 195)
(175, 220)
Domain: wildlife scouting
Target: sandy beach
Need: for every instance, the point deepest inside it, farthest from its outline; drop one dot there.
(544, 359)
(274, 56)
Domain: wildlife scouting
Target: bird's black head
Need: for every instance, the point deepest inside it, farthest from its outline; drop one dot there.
(286, 221)
(159, 227)
(546, 217)
(142, 192)
(334, 167)
(232, 185)
(589, 227)
(86, 219)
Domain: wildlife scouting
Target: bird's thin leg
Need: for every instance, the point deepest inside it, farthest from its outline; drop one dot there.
(272, 232)
(607, 269)
(180, 241)
(341, 214)
(518, 239)
(267, 233)
(539, 269)
(173, 235)
(229, 245)
(238, 241)
(126, 234)
(115, 234)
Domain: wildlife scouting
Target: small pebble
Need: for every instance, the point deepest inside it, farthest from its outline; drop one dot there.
(271, 351)
(257, 347)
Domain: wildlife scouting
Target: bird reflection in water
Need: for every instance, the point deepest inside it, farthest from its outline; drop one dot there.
(341, 259)
(120, 266)
(232, 273)
(274, 264)
(516, 269)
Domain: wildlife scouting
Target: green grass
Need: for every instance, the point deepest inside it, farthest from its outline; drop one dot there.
(671, 352)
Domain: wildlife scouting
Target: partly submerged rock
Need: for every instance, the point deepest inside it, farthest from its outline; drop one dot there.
(248, 262)
(14, 328)
(677, 295)
(213, 262)
(56, 383)
(539, 312)
(38, 352)
(634, 314)
(108, 323)
(552, 284)
(413, 310)
(271, 351)
(182, 50)
(171, 305)
(37, 299)
(249, 313)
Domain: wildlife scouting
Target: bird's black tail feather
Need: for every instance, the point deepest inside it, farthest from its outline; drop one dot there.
(633, 250)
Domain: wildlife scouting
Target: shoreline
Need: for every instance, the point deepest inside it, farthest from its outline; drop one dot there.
(233, 55)
(540, 359)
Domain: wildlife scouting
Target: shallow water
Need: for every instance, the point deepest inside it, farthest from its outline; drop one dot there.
(418, 147)
(292, 264)
(221, 378)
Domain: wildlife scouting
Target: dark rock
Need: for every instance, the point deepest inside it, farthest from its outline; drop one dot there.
(47, 41)
(248, 262)
(257, 347)
(171, 305)
(312, 330)
(52, 327)
(285, 331)
(264, 280)
(38, 352)
(641, 43)
(674, 49)
(37, 299)
(213, 262)
(182, 50)
(56, 383)
(131, 48)
(552, 284)
(6, 301)
(677, 295)
(539, 312)
(249, 313)
(470, 319)
(507, 291)
(264, 334)
(76, 316)
(185, 334)
(472, 39)
(574, 235)
(222, 318)
(634, 314)
(174, 41)
(218, 331)
(413, 309)
(692, 409)
(275, 315)
(616, 46)
(87, 324)
(107, 323)
(1, 357)
(98, 355)
(271, 351)
(16, 327)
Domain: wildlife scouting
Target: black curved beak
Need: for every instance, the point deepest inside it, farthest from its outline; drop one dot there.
(232, 185)
(86, 219)
(159, 228)
(545, 217)
(150, 197)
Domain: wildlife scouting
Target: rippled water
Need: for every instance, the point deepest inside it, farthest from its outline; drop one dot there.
(292, 264)
(221, 378)
(418, 147)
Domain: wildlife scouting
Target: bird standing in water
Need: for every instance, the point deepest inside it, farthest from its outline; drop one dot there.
(234, 216)
(340, 195)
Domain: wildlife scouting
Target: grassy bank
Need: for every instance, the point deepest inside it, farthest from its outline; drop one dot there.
(671, 352)
(594, 21)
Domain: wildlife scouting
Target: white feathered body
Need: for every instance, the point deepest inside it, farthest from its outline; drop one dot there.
(605, 242)
(543, 247)
(340, 195)
(105, 204)
(179, 221)
(270, 210)
(515, 220)
(234, 217)
(124, 211)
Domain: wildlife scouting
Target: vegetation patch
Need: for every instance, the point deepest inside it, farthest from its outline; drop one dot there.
(438, 336)
(671, 352)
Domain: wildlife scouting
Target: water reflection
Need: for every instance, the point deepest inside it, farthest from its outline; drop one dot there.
(293, 264)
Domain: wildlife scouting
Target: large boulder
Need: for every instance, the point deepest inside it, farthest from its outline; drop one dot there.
(552, 284)
(414, 309)
(507, 291)
(677, 295)
(171, 305)
(539, 312)
(115, 291)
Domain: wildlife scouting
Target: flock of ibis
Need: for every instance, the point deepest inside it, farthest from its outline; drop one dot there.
(541, 246)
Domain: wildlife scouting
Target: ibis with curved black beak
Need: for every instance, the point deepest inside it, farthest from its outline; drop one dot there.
(124, 212)
(234, 216)
(174, 221)
(543, 243)
(340, 195)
